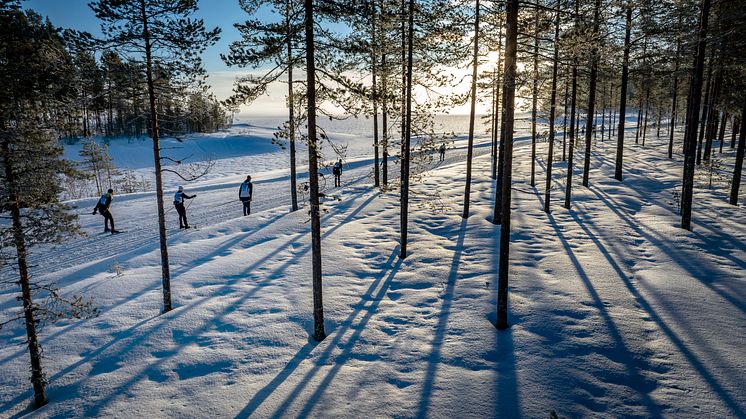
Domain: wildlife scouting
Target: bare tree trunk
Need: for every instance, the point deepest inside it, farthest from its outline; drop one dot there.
(376, 163)
(291, 114)
(534, 96)
(645, 119)
(672, 124)
(509, 107)
(735, 185)
(623, 95)
(407, 136)
(552, 112)
(573, 131)
(705, 108)
(37, 375)
(165, 272)
(603, 113)
(498, 120)
(313, 177)
(691, 140)
(385, 123)
(472, 115)
(735, 123)
(564, 122)
(721, 134)
(591, 95)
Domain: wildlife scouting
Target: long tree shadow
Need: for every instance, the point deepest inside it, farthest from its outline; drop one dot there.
(673, 337)
(692, 265)
(152, 369)
(440, 330)
(345, 326)
(620, 353)
(162, 321)
(125, 300)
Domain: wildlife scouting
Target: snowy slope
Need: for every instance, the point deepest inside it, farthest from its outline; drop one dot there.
(615, 311)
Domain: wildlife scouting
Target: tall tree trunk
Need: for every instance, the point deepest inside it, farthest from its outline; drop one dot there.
(645, 119)
(384, 123)
(623, 95)
(291, 114)
(472, 115)
(564, 121)
(376, 163)
(591, 95)
(165, 272)
(534, 96)
(313, 176)
(493, 126)
(509, 107)
(721, 134)
(691, 140)
(498, 120)
(573, 131)
(37, 375)
(705, 108)
(735, 123)
(672, 124)
(407, 136)
(712, 114)
(735, 185)
(603, 113)
(552, 112)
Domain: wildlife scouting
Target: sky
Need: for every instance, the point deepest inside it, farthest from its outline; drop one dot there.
(76, 14)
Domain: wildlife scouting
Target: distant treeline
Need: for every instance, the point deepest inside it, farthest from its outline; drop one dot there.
(111, 99)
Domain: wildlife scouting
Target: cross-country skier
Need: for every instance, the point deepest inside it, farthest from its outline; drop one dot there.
(442, 151)
(244, 194)
(337, 171)
(102, 207)
(179, 198)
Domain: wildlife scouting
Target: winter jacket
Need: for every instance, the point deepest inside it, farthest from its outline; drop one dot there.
(179, 198)
(246, 191)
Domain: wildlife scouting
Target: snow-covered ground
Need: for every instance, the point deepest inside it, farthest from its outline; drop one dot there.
(615, 311)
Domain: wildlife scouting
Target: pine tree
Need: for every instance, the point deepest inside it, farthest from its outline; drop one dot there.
(34, 70)
(690, 139)
(511, 44)
(157, 32)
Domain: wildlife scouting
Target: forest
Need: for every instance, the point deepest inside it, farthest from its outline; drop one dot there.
(619, 88)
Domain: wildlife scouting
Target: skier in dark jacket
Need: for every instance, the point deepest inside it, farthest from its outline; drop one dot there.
(102, 207)
(179, 198)
(244, 194)
(337, 171)
(442, 151)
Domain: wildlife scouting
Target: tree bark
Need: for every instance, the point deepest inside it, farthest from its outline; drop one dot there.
(591, 95)
(705, 108)
(37, 375)
(313, 176)
(721, 134)
(691, 140)
(407, 136)
(165, 271)
(291, 114)
(472, 115)
(376, 163)
(552, 113)
(509, 107)
(623, 95)
(737, 170)
(534, 96)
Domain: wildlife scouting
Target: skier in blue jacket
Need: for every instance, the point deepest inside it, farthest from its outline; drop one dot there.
(102, 207)
(244, 194)
(179, 198)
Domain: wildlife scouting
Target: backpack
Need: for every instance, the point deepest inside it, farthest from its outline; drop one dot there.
(244, 193)
(178, 199)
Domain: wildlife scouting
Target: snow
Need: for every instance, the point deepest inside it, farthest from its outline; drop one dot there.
(615, 311)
